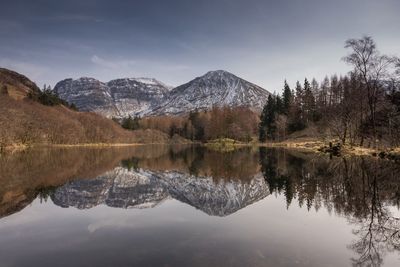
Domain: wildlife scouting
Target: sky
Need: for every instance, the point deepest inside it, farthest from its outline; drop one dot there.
(174, 41)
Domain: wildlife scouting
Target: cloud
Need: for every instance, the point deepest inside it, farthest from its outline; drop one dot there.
(112, 64)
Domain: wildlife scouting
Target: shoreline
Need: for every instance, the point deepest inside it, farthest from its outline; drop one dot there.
(310, 145)
(314, 146)
(21, 147)
(317, 146)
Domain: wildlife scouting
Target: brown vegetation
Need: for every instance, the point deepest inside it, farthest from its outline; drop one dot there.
(238, 123)
(24, 120)
(17, 86)
(27, 122)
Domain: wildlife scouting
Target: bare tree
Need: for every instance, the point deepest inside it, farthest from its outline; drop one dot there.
(372, 68)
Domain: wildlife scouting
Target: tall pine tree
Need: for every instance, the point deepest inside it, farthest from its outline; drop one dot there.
(267, 127)
(286, 98)
(308, 102)
(296, 113)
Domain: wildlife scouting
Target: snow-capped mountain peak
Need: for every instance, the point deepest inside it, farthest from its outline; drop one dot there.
(215, 88)
(148, 96)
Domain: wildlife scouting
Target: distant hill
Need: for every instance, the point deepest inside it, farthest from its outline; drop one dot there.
(146, 96)
(24, 120)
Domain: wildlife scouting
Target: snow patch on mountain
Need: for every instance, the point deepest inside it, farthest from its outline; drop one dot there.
(116, 98)
(215, 88)
(148, 96)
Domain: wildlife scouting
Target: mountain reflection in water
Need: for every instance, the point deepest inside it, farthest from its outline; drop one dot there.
(365, 191)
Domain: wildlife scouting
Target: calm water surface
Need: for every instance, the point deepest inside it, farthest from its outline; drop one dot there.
(188, 206)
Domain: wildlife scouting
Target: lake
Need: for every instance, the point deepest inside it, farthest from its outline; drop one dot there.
(190, 206)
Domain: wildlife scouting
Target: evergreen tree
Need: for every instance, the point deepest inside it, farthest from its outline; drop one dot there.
(130, 123)
(279, 105)
(296, 113)
(308, 102)
(262, 131)
(287, 98)
(299, 94)
(267, 127)
(271, 127)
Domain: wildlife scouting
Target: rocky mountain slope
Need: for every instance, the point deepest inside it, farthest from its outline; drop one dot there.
(215, 88)
(135, 96)
(87, 94)
(117, 98)
(144, 96)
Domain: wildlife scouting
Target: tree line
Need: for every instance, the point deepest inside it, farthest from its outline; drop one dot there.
(358, 108)
(48, 97)
(239, 123)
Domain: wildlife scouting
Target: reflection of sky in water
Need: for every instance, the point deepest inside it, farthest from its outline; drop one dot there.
(260, 231)
(175, 234)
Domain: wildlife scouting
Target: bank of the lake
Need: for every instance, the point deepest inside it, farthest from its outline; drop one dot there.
(310, 145)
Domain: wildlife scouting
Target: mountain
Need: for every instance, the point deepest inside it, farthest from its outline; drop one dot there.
(133, 96)
(87, 94)
(116, 98)
(146, 96)
(215, 88)
(121, 188)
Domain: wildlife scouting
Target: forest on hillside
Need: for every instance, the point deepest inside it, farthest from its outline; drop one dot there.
(359, 108)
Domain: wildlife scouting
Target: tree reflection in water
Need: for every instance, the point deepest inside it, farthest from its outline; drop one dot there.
(362, 189)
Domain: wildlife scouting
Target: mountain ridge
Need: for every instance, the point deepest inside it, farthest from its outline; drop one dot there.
(215, 88)
(116, 98)
(142, 96)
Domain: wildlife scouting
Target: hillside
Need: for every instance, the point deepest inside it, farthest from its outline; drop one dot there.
(18, 85)
(24, 121)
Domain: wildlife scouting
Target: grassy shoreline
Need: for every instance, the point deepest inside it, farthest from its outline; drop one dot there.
(21, 147)
(317, 145)
(309, 145)
(226, 145)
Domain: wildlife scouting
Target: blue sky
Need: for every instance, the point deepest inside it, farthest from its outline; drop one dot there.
(174, 41)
